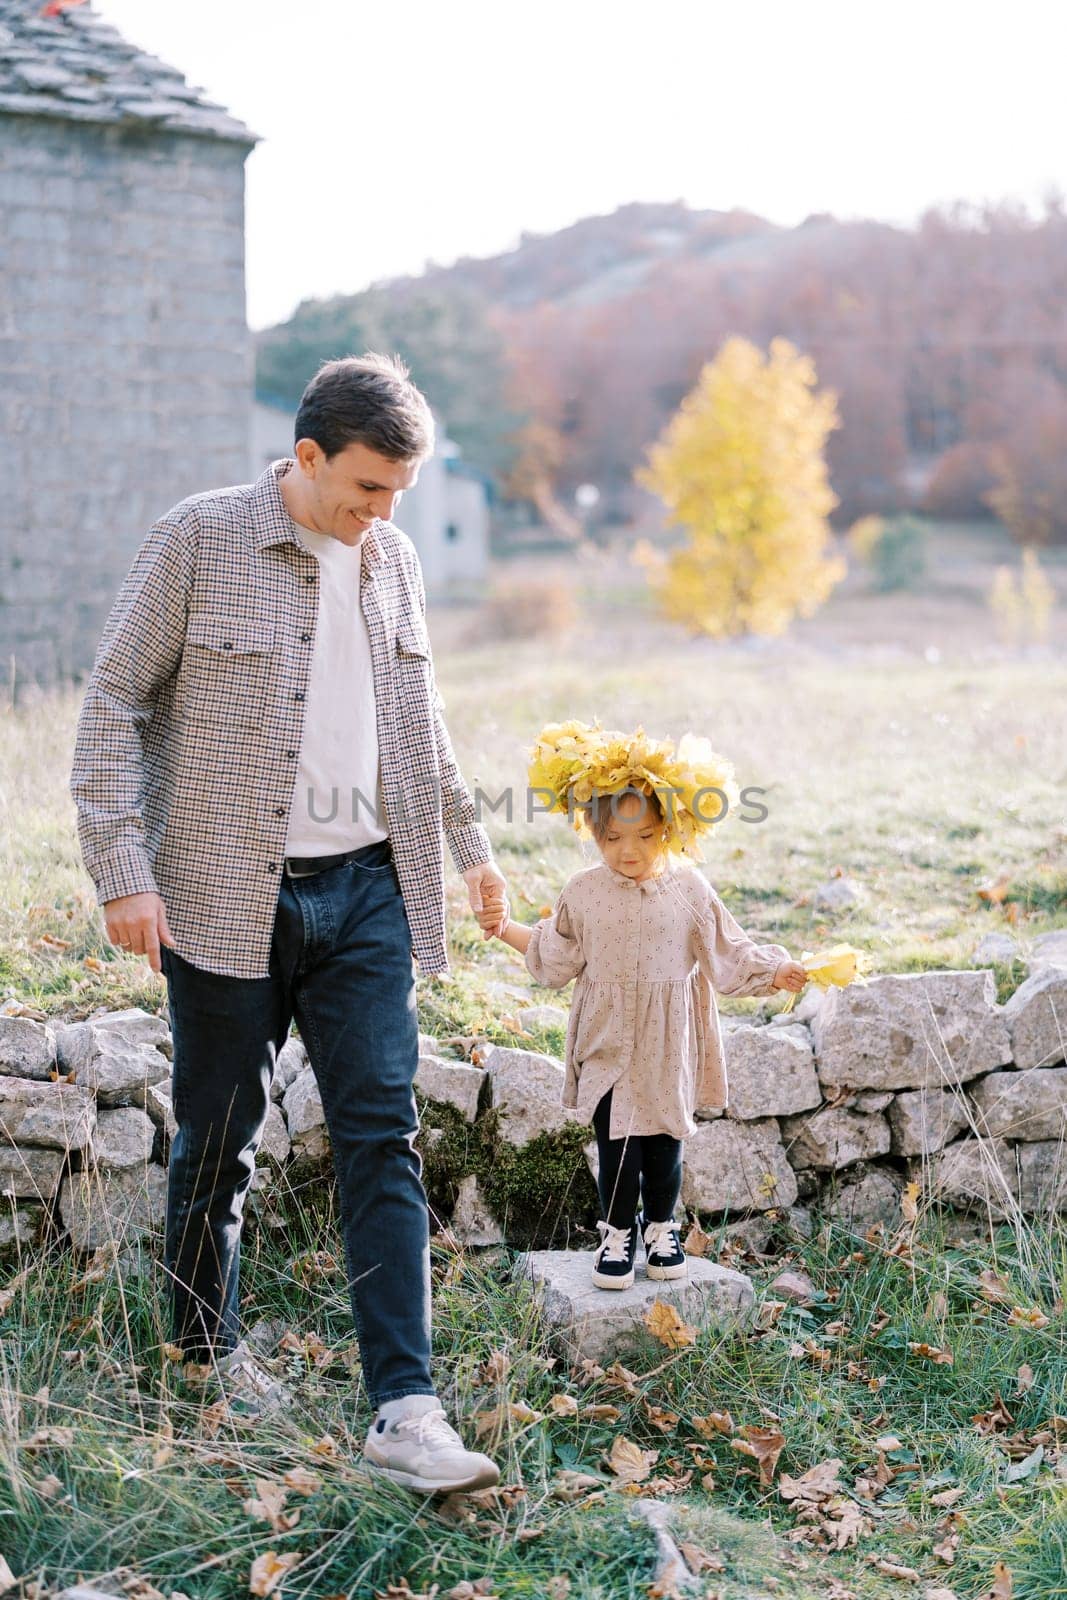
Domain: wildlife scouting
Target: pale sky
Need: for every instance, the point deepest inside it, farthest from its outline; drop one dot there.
(403, 131)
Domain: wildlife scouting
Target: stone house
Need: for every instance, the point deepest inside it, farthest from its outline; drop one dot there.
(125, 355)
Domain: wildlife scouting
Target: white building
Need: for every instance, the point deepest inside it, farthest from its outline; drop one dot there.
(446, 515)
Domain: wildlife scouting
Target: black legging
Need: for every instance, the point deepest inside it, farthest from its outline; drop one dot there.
(644, 1166)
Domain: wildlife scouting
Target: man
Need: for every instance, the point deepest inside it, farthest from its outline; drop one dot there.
(262, 773)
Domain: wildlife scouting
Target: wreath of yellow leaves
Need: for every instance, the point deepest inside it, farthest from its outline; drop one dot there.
(575, 761)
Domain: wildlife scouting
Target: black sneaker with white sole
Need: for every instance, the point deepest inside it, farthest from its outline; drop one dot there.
(664, 1256)
(613, 1263)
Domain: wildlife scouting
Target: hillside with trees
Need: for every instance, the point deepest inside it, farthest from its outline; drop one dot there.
(559, 362)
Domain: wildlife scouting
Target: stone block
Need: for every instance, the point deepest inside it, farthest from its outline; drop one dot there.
(123, 1138)
(453, 1083)
(974, 1174)
(1036, 1017)
(923, 1121)
(770, 1072)
(737, 1166)
(525, 1088)
(868, 1199)
(27, 1048)
(101, 1205)
(1028, 1105)
(30, 1173)
(292, 1059)
(117, 1069)
(587, 1323)
(56, 1114)
(922, 1030)
(1042, 1177)
(833, 1138)
(472, 1223)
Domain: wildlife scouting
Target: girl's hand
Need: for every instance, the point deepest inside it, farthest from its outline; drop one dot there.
(790, 975)
(494, 915)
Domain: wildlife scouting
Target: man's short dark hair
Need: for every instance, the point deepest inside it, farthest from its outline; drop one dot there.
(369, 400)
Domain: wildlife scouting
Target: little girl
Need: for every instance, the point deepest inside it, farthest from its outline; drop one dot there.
(648, 941)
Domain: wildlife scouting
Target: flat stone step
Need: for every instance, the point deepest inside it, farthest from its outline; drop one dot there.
(594, 1324)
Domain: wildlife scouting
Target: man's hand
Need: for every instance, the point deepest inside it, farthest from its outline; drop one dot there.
(138, 923)
(790, 975)
(486, 886)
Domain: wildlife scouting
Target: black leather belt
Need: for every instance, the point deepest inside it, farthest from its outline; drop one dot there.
(305, 866)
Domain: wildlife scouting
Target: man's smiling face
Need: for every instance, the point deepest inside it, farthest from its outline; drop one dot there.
(343, 495)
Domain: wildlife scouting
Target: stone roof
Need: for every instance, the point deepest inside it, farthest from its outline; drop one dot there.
(76, 66)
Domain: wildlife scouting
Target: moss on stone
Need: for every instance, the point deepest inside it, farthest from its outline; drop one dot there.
(542, 1192)
(450, 1148)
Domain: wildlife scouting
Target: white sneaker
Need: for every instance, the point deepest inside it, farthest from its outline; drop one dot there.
(425, 1452)
(249, 1388)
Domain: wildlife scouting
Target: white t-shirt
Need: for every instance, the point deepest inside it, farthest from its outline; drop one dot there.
(337, 802)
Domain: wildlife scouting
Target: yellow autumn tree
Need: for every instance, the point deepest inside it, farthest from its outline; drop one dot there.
(741, 467)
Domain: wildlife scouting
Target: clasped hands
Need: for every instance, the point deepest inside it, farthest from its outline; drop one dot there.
(486, 886)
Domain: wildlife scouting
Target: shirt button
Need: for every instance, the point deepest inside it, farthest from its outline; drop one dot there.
(279, 811)
(272, 866)
(310, 578)
(290, 755)
(305, 638)
(228, 645)
(299, 695)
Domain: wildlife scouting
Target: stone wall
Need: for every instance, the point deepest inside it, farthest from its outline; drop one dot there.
(125, 363)
(833, 1110)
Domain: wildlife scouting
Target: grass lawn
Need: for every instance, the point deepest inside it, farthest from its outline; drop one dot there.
(895, 741)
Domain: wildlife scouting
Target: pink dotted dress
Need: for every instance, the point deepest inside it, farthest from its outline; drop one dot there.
(648, 958)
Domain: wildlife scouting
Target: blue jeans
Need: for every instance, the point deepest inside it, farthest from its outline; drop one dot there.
(341, 963)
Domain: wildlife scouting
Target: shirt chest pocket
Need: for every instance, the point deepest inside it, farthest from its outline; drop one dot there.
(228, 667)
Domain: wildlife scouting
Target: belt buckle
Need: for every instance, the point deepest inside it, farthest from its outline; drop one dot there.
(291, 874)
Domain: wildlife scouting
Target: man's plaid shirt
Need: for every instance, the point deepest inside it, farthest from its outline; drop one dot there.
(188, 739)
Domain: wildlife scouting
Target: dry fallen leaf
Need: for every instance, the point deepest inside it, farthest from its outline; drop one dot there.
(563, 1405)
(7, 1577)
(818, 1483)
(699, 1560)
(995, 1420)
(494, 1419)
(603, 1412)
(302, 1481)
(269, 1505)
(57, 1438)
(993, 1287)
(1025, 1378)
(764, 1445)
(571, 1485)
(665, 1324)
(1003, 1584)
(1027, 1317)
(947, 1497)
(629, 1462)
(696, 1241)
(894, 1569)
(495, 1367)
(931, 1352)
(269, 1569)
(715, 1422)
